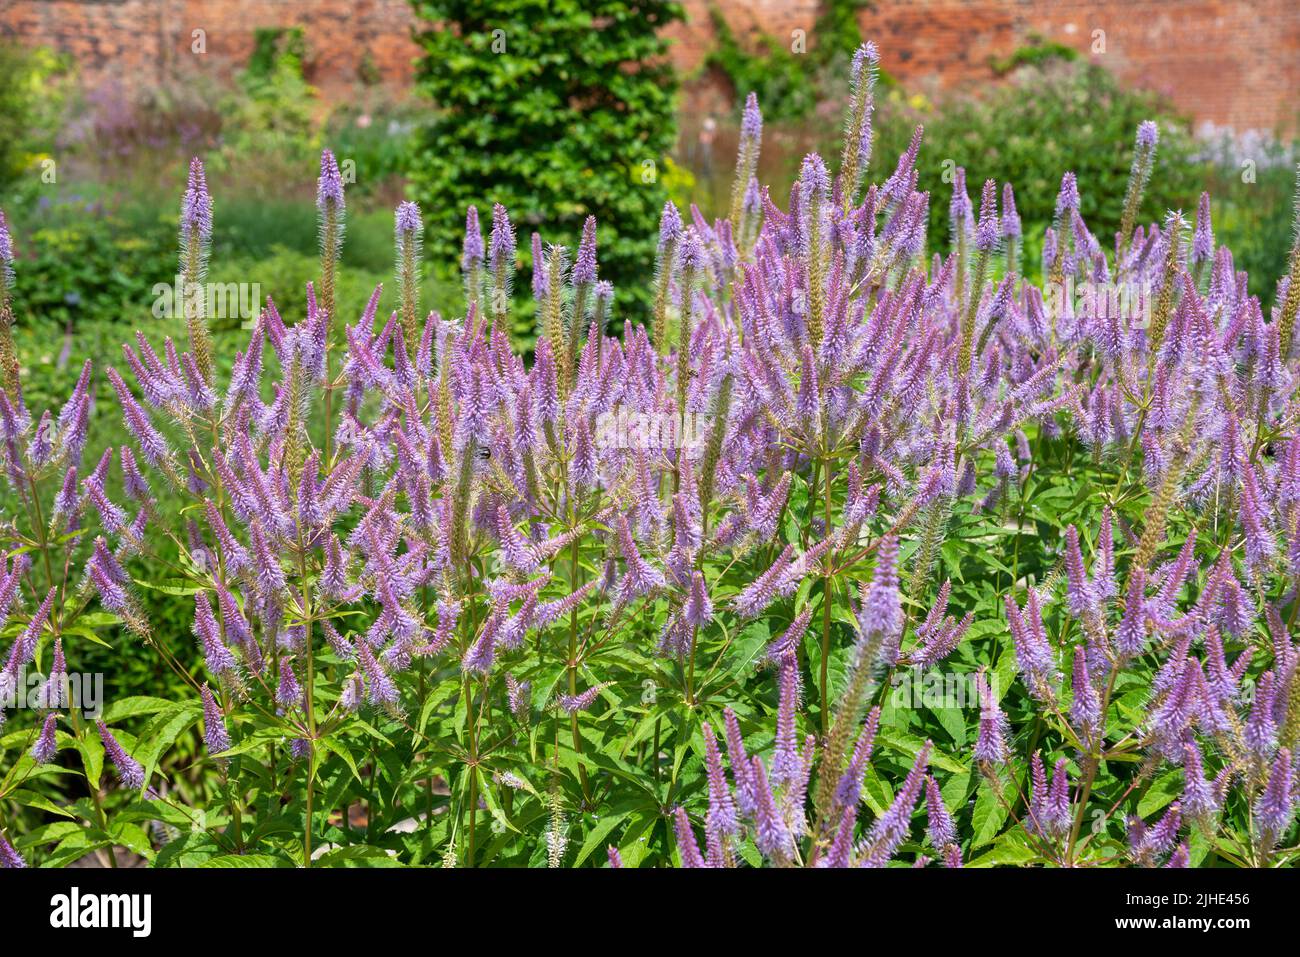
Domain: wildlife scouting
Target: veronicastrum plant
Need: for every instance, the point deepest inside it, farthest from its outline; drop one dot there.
(853, 524)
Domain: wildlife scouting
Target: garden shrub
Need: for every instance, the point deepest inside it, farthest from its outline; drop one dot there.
(558, 110)
(848, 531)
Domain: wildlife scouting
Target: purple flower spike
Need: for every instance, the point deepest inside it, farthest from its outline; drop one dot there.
(1010, 217)
(472, 254)
(1276, 806)
(196, 207)
(220, 661)
(215, 735)
(1147, 135)
(881, 614)
(751, 121)
(942, 830)
(46, 748)
(686, 844)
(1067, 200)
(1203, 235)
(501, 251)
(584, 267)
(697, 610)
(892, 827)
(1085, 707)
(10, 858)
(329, 185)
(670, 226)
(408, 222)
(6, 252)
(128, 768)
(986, 232)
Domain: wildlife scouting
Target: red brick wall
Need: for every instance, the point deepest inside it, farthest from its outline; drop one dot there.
(1234, 62)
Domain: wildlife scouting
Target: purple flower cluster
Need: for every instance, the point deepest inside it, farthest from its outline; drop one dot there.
(464, 532)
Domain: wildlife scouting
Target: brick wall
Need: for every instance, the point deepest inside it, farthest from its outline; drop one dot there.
(1233, 62)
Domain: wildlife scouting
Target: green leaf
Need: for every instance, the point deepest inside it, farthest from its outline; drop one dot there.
(246, 860)
(987, 818)
(358, 855)
(1162, 791)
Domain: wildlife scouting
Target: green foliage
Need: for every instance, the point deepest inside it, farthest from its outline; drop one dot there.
(558, 110)
(1036, 53)
(789, 81)
(80, 258)
(32, 95)
(270, 130)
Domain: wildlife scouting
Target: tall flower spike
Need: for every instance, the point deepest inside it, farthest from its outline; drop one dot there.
(219, 659)
(722, 809)
(858, 130)
(942, 830)
(409, 234)
(330, 208)
(687, 848)
(215, 735)
(6, 259)
(1085, 707)
(747, 152)
(54, 693)
(128, 768)
(1144, 155)
(990, 743)
(881, 614)
(1202, 234)
(892, 827)
(1276, 806)
(46, 748)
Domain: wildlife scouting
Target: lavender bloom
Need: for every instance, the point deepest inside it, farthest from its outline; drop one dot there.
(881, 614)
(584, 267)
(1203, 234)
(215, 736)
(288, 693)
(196, 207)
(697, 610)
(772, 834)
(6, 257)
(1131, 636)
(986, 232)
(1085, 706)
(1276, 806)
(891, 828)
(129, 771)
(408, 221)
(219, 659)
(942, 829)
(472, 254)
(687, 848)
(9, 858)
(54, 693)
(517, 695)
(329, 185)
(990, 744)
(572, 704)
(45, 749)
(1010, 217)
(1200, 798)
(722, 809)
(787, 645)
(1260, 733)
(501, 243)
